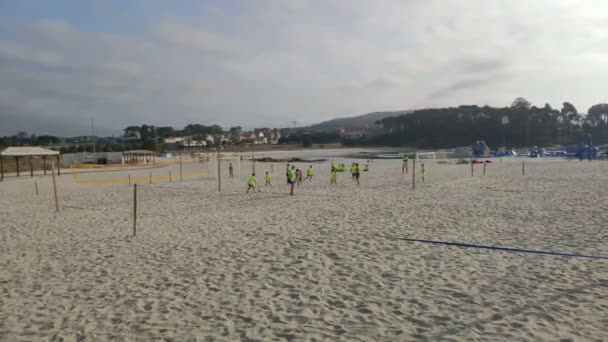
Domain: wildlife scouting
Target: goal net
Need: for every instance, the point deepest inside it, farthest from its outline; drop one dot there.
(432, 155)
(441, 155)
(426, 155)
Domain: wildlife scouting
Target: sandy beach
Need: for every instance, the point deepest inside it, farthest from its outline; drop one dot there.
(328, 264)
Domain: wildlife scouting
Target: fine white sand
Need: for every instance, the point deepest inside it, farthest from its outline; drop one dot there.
(321, 265)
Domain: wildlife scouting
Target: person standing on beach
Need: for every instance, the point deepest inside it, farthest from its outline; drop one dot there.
(404, 162)
(352, 171)
(291, 178)
(267, 179)
(357, 173)
(333, 176)
(309, 173)
(230, 171)
(287, 173)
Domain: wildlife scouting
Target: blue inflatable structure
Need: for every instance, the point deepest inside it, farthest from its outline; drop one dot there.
(586, 148)
(480, 149)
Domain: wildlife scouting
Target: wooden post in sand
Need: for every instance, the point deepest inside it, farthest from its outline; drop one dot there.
(414, 173)
(31, 166)
(44, 164)
(523, 168)
(180, 167)
(134, 209)
(272, 168)
(219, 173)
(36, 185)
(1, 168)
(484, 168)
(472, 167)
(54, 185)
(252, 163)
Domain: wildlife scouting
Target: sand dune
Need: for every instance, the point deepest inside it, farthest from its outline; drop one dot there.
(322, 265)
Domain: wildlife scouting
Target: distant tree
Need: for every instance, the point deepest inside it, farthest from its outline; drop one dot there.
(306, 140)
(165, 132)
(597, 115)
(45, 140)
(7, 141)
(569, 117)
(236, 130)
(521, 103)
(132, 131)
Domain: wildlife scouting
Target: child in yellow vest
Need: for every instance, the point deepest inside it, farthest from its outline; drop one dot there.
(251, 182)
(309, 173)
(333, 176)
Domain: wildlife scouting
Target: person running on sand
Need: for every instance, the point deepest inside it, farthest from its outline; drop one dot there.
(309, 173)
(291, 178)
(287, 173)
(333, 176)
(251, 182)
(230, 171)
(357, 173)
(404, 162)
(352, 171)
(267, 179)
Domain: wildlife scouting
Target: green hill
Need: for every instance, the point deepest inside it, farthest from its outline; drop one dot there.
(353, 122)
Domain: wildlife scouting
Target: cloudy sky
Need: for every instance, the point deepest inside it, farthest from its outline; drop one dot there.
(268, 62)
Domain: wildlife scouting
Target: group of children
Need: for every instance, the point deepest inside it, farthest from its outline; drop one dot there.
(295, 176)
(354, 170)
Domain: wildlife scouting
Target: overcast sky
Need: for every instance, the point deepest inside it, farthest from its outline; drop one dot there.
(267, 62)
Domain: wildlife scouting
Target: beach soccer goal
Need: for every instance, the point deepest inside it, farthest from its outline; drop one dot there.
(426, 155)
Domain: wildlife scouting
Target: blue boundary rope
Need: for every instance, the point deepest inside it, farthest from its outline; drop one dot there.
(496, 248)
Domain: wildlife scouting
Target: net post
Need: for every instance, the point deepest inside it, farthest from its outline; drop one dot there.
(54, 185)
(414, 172)
(219, 172)
(134, 209)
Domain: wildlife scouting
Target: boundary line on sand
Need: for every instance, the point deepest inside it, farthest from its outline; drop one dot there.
(496, 248)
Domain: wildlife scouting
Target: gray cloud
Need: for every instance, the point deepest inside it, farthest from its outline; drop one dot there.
(275, 61)
(479, 65)
(471, 83)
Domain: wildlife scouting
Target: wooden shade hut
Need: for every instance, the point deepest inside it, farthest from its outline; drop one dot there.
(29, 152)
(139, 156)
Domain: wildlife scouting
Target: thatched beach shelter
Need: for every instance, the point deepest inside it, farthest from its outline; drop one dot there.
(30, 152)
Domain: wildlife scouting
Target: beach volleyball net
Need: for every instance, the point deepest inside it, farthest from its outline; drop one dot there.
(173, 171)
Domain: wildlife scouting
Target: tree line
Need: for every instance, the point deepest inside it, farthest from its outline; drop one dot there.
(520, 125)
